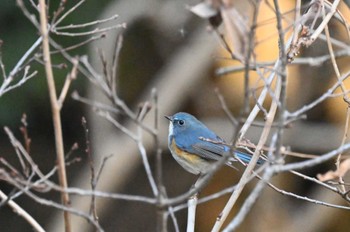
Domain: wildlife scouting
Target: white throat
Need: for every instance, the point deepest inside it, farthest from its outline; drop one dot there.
(171, 129)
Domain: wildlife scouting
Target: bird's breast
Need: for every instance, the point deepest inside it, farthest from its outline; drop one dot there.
(191, 162)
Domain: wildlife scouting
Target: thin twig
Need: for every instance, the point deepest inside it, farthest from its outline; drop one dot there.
(71, 10)
(74, 26)
(312, 162)
(323, 97)
(307, 199)
(92, 32)
(70, 77)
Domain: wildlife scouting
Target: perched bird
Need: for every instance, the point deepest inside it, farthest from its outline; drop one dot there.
(195, 147)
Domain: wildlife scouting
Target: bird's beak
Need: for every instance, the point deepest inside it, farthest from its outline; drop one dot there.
(169, 118)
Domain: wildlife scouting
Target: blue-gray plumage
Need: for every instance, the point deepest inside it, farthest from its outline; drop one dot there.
(188, 145)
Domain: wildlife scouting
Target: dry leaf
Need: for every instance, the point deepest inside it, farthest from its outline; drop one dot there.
(343, 169)
(204, 10)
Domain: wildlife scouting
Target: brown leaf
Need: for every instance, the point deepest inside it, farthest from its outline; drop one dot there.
(344, 167)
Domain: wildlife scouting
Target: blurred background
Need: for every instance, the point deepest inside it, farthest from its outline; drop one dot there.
(168, 47)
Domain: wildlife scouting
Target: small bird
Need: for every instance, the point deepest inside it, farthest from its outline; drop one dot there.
(195, 147)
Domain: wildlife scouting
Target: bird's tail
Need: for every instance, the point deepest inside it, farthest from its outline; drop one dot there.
(245, 158)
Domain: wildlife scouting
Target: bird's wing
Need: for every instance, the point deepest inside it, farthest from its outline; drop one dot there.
(208, 150)
(215, 151)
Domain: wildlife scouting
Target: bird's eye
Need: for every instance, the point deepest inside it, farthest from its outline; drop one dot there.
(181, 122)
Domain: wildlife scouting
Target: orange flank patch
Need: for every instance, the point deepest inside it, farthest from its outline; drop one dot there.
(191, 158)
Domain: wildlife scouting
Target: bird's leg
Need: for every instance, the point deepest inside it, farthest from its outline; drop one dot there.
(195, 185)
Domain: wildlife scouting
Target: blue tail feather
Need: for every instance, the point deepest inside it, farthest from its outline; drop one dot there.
(247, 157)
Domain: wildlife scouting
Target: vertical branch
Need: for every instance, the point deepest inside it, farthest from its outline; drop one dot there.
(192, 206)
(162, 217)
(249, 52)
(345, 136)
(345, 96)
(159, 174)
(55, 112)
(191, 215)
(93, 179)
(283, 76)
(115, 67)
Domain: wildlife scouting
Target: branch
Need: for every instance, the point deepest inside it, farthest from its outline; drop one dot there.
(55, 112)
(22, 213)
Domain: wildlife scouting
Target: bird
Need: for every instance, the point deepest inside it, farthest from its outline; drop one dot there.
(195, 147)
